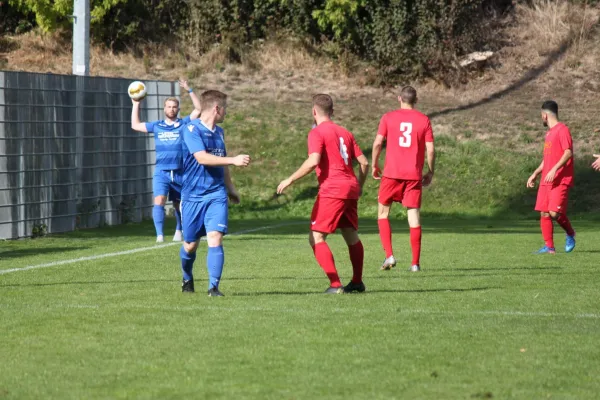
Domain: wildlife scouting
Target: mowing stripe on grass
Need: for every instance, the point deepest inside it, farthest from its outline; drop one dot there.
(133, 251)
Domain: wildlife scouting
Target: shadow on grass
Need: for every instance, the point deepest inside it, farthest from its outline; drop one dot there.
(287, 293)
(33, 251)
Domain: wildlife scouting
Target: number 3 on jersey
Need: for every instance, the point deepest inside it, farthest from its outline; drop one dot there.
(344, 151)
(405, 130)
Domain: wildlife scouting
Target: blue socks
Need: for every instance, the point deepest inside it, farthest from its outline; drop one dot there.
(187, 263)
(158, 215)
(178, 219)
(214, 263)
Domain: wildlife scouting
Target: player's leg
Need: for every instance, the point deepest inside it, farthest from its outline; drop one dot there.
(193, 215)
(412, 201)
(557, 207)
(387, 194)
(324, 218)
(546, 225)
(160, 189)
(215, 222)
(348, 225)
(175, 197)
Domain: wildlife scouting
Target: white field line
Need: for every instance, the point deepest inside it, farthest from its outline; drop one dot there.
(133, 251)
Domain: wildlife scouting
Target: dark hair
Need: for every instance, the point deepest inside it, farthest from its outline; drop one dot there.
(324, 102)
(409, 95)
(211, 98)
(550, 105)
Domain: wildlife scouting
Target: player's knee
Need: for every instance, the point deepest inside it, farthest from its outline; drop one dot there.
(383, 211)
(214, 239)
(316, 238)
(190, 247)
(554, 214)
(350, 236)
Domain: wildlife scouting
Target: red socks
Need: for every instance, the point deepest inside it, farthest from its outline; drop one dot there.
(415, 244)
(564, 223)
(325, 260)
(385, 234)
(547, 231)
(357, 256)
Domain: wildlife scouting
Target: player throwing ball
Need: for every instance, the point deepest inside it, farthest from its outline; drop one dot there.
(408, 134)
(557, 179)
(331, 151)
(168, 172)
(206, 187)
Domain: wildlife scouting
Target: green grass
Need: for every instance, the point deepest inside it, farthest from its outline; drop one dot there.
(484, 319)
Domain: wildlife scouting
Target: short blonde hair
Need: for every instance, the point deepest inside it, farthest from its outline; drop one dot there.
(171, 99)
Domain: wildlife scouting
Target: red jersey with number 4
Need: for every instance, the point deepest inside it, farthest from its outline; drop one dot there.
(558, 139)
(406, 132)
(338, 149)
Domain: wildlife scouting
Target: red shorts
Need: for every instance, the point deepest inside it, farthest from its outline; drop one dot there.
(329, 214)
(552, 198)
(401, 191)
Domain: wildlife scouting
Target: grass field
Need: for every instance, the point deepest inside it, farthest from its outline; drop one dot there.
(484, 319)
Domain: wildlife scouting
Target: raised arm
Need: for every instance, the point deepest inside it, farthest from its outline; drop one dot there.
(136, 124)
(195, 100)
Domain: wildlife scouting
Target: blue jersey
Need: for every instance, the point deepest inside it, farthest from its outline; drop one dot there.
(168, 141)
(201, 182)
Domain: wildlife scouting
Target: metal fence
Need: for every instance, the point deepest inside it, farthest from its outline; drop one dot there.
(68, 156)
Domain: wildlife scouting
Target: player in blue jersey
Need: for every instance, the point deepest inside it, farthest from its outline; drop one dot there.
(206, 188)
(168, 172)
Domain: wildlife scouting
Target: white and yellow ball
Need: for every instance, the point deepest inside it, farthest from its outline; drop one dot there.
(137, 90)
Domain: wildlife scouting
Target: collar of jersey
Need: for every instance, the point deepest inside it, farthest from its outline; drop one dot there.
(204, 125)
(164, 121)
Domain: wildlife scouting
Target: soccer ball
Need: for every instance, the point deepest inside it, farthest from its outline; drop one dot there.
(137, 90)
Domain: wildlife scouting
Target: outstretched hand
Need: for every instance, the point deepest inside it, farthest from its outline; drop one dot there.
(596, 164)
(242, 160)
(183, 83)
(283, 185)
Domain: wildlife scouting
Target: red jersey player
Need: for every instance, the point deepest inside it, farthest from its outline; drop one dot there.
(408, 134)
(331, 151)
(557, 178)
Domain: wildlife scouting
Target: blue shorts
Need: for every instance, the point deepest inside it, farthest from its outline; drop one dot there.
(197, 218)
(167, 183)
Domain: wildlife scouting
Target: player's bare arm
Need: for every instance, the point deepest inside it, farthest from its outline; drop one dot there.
(377, 146)
(232, 192)
(306, 168)
(549, 178)
(195, 100)
(533, 177)
(363, 170)
(210, 160)
(428, 177)
(596, 164)
(136, 124)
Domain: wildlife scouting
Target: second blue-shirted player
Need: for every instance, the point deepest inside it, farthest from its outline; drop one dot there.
(207, 186)
(168, 172)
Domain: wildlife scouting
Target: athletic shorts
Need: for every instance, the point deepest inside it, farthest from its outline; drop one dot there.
(198, 218)
(407, 192)
(329, 214)
(167, 183)
(552, 198)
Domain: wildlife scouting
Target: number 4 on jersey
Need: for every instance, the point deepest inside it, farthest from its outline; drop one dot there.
(344, 151)
(405, 130)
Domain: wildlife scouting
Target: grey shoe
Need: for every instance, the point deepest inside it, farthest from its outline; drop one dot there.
(335, 290)
(415, 268)
(388, 263)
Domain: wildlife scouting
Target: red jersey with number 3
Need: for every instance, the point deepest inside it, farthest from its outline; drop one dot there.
(338, 149)
(558, 139)
(406, 132)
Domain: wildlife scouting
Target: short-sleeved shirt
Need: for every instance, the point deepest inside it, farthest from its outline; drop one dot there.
(338, 149)
(167, 139)
(406, 132)
(202, 182)
(558, 139)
